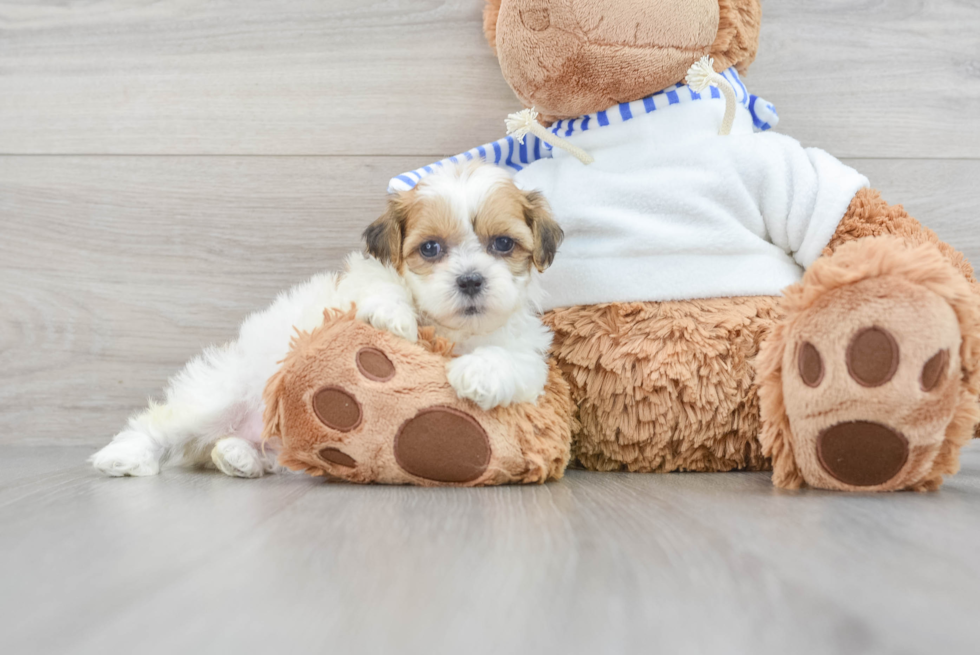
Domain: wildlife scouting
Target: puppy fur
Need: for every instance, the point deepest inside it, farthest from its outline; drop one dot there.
(213, 408)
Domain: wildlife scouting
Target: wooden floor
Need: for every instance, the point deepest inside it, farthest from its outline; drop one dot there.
(167, 166)
(193, 561)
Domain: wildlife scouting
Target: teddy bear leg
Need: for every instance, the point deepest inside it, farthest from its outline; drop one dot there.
(869, 383)
(870, 216)
(362, 405)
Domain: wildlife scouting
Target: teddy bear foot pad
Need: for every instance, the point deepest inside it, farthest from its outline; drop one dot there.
(872, 385)
(365, 406)
(440, 444)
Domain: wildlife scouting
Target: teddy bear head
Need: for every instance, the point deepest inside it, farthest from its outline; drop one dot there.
(568, 58)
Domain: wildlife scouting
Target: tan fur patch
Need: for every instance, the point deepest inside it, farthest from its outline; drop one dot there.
(428, 219)
(502, 215)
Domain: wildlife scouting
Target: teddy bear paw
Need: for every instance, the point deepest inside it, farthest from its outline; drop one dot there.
(871, 383)
(369, 430)
(356, 403)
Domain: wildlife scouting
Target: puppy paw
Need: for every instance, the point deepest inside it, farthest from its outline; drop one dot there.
(483, 378)
(397, 318)
(237, 458)
(130, 453)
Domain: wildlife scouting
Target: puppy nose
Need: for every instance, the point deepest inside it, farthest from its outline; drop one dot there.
(470, 284)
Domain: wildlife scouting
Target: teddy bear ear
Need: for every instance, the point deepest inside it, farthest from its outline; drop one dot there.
(738, 34)
(490, 13)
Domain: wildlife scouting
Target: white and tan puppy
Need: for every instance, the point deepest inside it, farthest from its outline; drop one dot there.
(460, 252)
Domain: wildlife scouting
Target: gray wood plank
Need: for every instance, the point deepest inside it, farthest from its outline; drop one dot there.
(192, 561)
(115, 270)
(248, 77)
(895, 78)
(890, 78)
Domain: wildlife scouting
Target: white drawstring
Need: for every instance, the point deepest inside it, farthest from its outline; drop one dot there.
(526, 121)
(702, 75)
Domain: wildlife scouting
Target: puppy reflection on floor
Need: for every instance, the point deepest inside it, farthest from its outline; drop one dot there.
(460, 252)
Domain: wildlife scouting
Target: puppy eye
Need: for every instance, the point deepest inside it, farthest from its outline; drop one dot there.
(502, 245)
(430, 249)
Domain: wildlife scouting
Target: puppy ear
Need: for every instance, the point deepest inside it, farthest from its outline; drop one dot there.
(384, 236)
(548, 235)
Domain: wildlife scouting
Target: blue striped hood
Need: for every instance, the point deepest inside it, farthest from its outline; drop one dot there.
(514, 156)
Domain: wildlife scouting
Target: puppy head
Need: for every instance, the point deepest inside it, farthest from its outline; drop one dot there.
(468, 242)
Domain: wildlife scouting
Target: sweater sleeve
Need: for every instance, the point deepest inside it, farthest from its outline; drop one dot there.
(804, 194)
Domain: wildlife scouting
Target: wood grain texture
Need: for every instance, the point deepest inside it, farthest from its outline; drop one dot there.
(115, 270)
(193, 561)
(882, 78)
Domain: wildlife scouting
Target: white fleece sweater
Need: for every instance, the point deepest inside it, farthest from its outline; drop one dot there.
(669, 210)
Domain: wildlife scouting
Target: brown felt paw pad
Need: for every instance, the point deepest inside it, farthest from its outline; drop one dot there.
(872, 357)
(438, 443)
(363, 405)
(871, 388)
(335, 456)
(337, 409)
(811, 365)
(375, 365)
(861, 453)
(935, 370)
(444, 445)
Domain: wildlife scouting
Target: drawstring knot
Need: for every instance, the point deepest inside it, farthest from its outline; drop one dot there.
(702, 75)
(525, 122)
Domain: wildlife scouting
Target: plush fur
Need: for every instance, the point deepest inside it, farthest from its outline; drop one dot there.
(672, 386)
(737, 41)
(914, 292)
(665, 386)
(567, 58)
(529, 442)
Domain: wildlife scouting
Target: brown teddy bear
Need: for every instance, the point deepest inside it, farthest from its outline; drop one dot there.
(725, 299)
(363, 405)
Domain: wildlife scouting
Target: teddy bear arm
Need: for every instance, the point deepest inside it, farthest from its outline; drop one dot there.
(870, 216)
